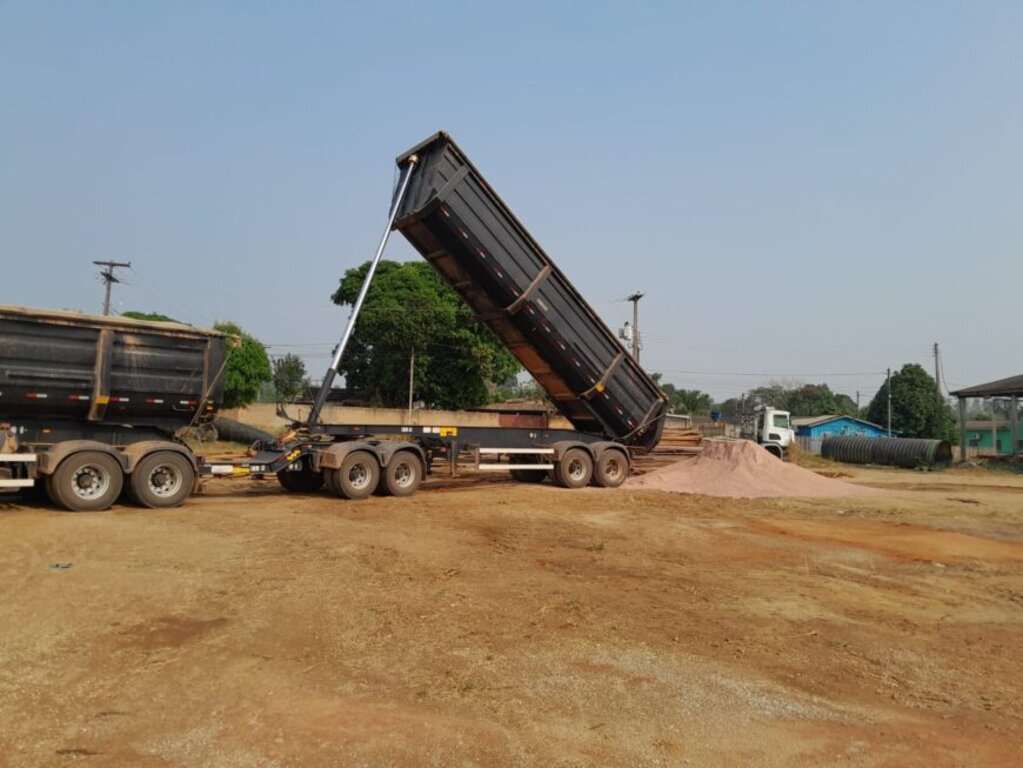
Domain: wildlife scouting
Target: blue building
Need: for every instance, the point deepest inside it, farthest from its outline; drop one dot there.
(819, 427)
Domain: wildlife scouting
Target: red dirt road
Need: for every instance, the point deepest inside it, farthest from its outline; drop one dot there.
(497, 624)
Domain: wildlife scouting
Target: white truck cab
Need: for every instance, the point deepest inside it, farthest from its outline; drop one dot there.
(771, 428)
(774, 431)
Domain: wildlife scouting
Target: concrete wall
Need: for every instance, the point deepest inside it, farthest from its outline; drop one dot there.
(979, 440)
(263, 415)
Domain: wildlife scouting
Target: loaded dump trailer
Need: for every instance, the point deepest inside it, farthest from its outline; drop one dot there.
(90, 405)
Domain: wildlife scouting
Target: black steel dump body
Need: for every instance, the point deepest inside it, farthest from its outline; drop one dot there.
(457, 222)
(111, 370)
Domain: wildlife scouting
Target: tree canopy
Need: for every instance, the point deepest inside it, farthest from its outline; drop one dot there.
(818, 400)
(799, 399)
(289, 377)
(916, 409)
(151, 316)
(691, 401)
(247, 367)
(409, 308)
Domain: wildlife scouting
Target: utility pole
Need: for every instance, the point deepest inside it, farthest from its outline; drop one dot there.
(411, 375)
(889, 388)
(937, 390)
(109, 279)
(634, 298)
(857, 403)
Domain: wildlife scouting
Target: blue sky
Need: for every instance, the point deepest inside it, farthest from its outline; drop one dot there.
(804, 191)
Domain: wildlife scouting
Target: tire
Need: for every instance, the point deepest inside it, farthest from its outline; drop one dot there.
(300, 481)
(162, 480)
(528, 475)
(611, 469)
(574, 470)
(330, 481)
(89, 481)
(358, 476)
(402, 475)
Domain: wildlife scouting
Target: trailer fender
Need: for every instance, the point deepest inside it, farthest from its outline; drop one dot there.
(387, 449)
(606, 445)
(334, 456)
(562, 446)
(135, 452)
(55, 454)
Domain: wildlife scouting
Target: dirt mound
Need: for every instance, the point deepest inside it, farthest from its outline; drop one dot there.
(741, 469)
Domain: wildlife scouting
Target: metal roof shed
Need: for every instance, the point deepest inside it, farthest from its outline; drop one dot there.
(1012, 388)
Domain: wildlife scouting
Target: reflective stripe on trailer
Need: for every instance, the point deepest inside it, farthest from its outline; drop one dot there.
(235, 469)
(22, 458)
(510, 467)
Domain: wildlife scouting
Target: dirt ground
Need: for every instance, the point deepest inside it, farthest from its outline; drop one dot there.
(496, 624)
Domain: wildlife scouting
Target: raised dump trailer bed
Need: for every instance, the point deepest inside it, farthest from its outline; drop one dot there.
(91, 403)
(453, 217)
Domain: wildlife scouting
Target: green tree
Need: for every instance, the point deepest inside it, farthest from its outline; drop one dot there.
(289, 377)
(916, 411)
(818, 400)
(731, 407)
(248, 366)
(846, 406)
(151, 316)
(410, 309)
(691, 401)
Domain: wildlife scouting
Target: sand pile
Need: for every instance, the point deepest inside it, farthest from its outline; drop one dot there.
(741, 469)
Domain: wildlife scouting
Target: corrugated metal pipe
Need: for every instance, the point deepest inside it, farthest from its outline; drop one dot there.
(890, 451)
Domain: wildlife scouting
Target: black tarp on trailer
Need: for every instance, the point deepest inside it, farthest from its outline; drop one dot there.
(105, 370)
(457, 222)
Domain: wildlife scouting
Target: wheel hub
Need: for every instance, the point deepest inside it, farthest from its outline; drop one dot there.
(358, 476)
(89, 482)
(164, 481)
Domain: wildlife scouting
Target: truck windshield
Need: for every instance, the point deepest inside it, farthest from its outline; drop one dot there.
(781, 420)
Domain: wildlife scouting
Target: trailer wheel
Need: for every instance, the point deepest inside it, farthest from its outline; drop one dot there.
(574, 469)
(358, 476)
(402, 475)
(611, 469)
(161, 480)
(330, 481)
(527, 475)
(89, 481)
(302, 480)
